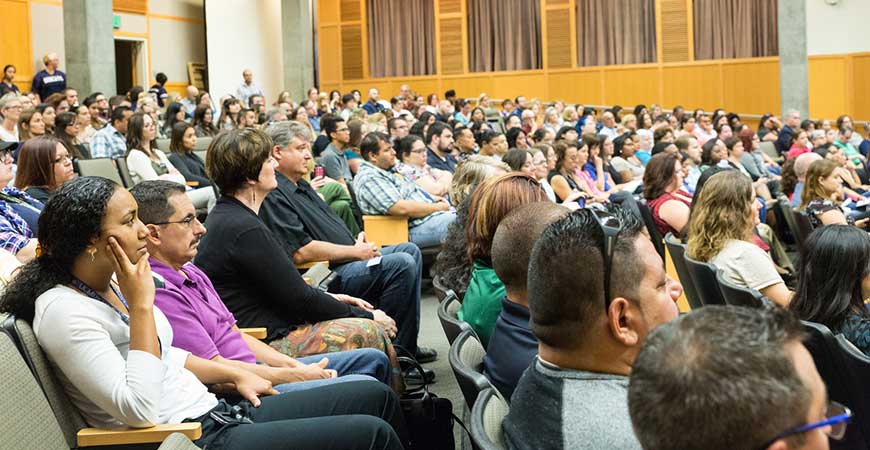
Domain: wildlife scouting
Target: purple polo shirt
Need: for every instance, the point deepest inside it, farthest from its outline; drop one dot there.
(201, 323)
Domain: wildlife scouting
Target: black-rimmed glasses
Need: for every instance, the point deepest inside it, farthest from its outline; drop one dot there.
(186, 221)
(610, 227)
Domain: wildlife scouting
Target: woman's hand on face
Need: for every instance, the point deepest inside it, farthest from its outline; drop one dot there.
(134, 279)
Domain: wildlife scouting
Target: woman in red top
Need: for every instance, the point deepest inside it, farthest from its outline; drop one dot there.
(662, 188)
(799, 145)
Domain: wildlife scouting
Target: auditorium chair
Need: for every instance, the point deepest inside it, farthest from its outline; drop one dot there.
(202, 145)
(845, 371)
(200, 153)
(386, 230)
(654, 234)
(704, 277)
(100, 167)
(163, 144)
(124, 171)
(466, 360)
(739, 295)
(798, 223)
(677, 250)
(487, 416)
(450, 323)
(39, 415)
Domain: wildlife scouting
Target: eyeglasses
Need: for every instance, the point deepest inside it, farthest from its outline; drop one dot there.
(186, 221)
(610, 227)
(837, 417)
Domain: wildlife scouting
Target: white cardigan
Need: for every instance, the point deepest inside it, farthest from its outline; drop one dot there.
(140, 168)
(111, 385)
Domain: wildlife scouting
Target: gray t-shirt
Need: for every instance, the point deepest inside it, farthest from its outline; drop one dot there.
(746, 264)
(335, 164)
(555, 408)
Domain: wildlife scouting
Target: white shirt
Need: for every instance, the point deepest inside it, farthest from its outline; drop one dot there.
(111, 385)
(7, 136)
(141, 170)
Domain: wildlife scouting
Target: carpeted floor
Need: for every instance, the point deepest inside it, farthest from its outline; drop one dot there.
(445, 385)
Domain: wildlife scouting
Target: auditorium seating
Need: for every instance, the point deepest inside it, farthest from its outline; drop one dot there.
(677, 250)
(487, 416)
(466, 360)
(386, 230)
(704, 277)
(100, 167)
(450, 323)
(654, 234)
(739, 295)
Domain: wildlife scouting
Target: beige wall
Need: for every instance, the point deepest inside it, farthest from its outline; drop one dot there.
(836, 29)
(46, 33)
(173, 45)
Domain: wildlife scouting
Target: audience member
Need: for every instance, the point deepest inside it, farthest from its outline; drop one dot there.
(7, 83)
(731, 378)
(544, 160)
(512, 345)
(182, 156)
(494, 199)
(822, 195)
(625, 162)
(382, 191)
(248, 87)
(190, 101)
(159, 89)
(464, 142)
(469, 173)
(563, 177)
(439, 142)
(19, 212)
(413, 166)
(44, 164)
(721, 227)
(785, 136)
(66, 130)
(590, 322)
(520, 160)
(663, 190)
(203, 122)
(10, 111)
(109, 142)
(111, 345)
(49, 80)
(492, 144)
(30, 125)
(174, 114)
(335, 165)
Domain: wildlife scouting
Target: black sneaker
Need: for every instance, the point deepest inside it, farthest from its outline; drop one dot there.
(425, 355)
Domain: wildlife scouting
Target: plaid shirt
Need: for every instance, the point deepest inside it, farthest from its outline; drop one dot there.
(108, 143)
(377, 190)
(14, 231)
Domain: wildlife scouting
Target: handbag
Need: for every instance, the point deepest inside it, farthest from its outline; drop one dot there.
(429, 418)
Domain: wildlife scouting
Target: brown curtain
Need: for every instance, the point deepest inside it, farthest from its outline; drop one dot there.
(401, 37)
(616, 32)
(504, 35)
(735, 29)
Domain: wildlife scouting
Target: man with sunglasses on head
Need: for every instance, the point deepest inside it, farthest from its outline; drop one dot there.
(596, 289)
(731, 378)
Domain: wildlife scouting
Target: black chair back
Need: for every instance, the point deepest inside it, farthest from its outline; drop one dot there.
(487, 417)
(797, 222)
(739, 295)
(450, 323)
(704, 276)
(654, 234)
(677, 250)
(466, 360)
(845, 371)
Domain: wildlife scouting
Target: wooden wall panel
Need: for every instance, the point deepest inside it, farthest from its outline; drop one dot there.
(751, 86)
(328, 11)
(450, 6)
(351, 10)
(577, 87)
(351, 52)
(827, 86)
(674, 17)
(692, 86)
(451, 45)
(469, 87)
(860, 90)
(559, 37)
(329, 62)
(630, 86)
(519, 83)
(15, 47)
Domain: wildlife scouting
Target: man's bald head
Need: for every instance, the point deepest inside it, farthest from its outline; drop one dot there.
(802, 164)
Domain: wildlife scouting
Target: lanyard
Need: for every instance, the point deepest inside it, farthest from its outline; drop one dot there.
(80, 285)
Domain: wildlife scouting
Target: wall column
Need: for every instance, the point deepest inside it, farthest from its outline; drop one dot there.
(297, 25)
(89, 45)
(793, 72)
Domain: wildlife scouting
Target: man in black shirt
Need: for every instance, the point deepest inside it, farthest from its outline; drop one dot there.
(310, 231)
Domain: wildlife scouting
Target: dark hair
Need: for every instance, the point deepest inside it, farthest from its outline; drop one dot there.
(560, 148)
(658, 175)
(329, 123)
(61, 121)
(161, 78)
(7, 66)
(371, 144)
(591, 141)
(827, 293)
(405, 144)
(391, 124)
(134, 132)
(452, 264)
(513, 240)
(718, 378)
(417, 129)
(789, 178)
(512, 135)
(67, 224)
(118, 113)
(133, 94)
(153, 199)
(435, 130)
(450, 93)
(209, 128)
(169, 118)
(176, 145)
(91, 99)
(660, 147)
(560, 134)
(731, 142)
(660, 133)
(347, 98)
(36, 163)
(486, 136)
(515, 158)
(702, 180)
(540, 133)
(619, 142)
(236, 156)
(566, 273)
(707, 152)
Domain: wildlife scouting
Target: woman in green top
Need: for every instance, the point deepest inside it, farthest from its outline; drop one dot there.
(490, 203)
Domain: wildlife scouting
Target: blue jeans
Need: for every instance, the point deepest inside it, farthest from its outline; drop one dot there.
(392, 286)
(351, 365)
(431, 232)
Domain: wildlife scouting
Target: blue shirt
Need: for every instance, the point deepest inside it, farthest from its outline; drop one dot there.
(589, 168)
(512, 348)
(796, 195)
(435, 161)
(643, 155)
(46, 84)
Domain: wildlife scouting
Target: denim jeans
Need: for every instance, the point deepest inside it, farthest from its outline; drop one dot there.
(393, 286)
(431, 232)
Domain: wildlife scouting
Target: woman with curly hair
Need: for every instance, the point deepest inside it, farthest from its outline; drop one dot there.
(720, 232)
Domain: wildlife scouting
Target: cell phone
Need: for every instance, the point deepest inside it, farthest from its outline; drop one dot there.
(582, 202)
(318, 171)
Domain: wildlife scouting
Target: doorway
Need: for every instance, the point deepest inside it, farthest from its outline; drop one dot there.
(131, 64)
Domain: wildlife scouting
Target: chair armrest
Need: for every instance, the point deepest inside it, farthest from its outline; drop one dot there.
(192, 183)
(310, 264)
(256, 333)
(92, 437)
(386, 230)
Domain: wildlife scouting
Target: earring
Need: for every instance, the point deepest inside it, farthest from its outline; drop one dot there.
(92, 252)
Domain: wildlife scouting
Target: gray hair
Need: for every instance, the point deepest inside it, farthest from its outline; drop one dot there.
(7, 99)
(283, 132)
(719, 378)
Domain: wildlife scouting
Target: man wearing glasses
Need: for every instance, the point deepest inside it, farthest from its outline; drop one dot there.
(596, 288)
(731, 378)
(332, 159)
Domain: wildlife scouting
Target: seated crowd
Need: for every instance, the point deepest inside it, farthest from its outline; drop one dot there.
(538, 213)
